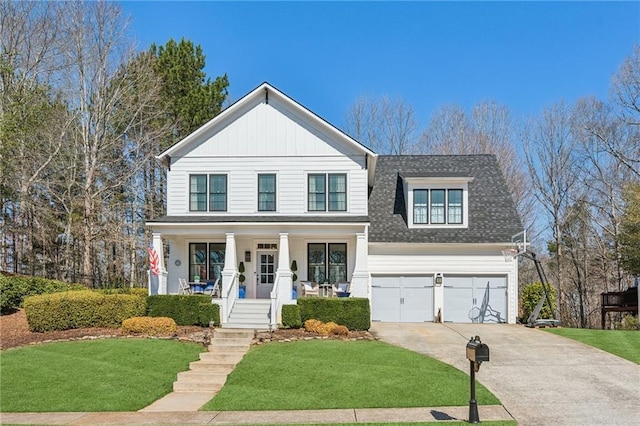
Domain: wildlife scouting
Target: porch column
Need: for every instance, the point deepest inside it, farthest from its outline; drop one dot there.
(285, 284)
(229, 273)
(360, 278)
(162, 276)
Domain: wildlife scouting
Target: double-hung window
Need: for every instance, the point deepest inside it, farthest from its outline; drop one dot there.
(267, 192)
(198, 193)
(327, 192)
(438, 207)
(454, 206)
(208, 192)
(420, 206)
(218, 193)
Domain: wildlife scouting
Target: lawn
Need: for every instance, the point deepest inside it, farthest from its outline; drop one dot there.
(96, 375)
(323, 374)
(625, 344)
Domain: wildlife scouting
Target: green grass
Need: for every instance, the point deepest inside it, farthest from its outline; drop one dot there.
(96, 375)
(323, 374)
(625, 344)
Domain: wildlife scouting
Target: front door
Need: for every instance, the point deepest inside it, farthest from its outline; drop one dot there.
(266, 273)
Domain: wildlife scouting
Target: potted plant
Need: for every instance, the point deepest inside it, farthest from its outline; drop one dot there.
(243, 288)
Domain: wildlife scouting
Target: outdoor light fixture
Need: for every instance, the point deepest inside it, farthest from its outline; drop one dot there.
(438, 279)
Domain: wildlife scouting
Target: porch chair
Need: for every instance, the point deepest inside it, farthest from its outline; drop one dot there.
(183, 287)
(341, 289)
(310, 288)
(213, 289)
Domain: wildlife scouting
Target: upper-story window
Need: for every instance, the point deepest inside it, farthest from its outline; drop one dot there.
(327, 192)
(267, 192)
(437, 201)
(207, 191)
(437, 206)
(218, 193)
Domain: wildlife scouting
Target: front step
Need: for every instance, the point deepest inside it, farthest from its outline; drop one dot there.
(210, 373)
(249, 314)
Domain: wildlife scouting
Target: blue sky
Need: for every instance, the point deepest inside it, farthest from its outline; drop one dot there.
(526, 55)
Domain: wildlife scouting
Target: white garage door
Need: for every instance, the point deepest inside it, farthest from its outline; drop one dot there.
(475, 299)
(402, 298)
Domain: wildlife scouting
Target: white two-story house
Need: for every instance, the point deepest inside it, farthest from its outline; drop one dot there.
(268, 182)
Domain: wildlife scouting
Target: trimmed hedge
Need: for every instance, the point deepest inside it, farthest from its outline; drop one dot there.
(79, 309)
(151, 326)
(136, 291)
(185, 310)
(291, 316)
(14, 288)
(352, 312)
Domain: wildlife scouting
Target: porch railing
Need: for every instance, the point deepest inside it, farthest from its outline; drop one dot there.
(273, 320)
(228, 299)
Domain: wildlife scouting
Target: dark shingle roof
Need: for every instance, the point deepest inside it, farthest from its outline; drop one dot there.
(492, 214)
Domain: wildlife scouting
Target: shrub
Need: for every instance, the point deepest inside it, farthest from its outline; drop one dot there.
(628, 322)
(291, 316)
(136, 291)
(14, 288)
(531, 295)
(352, 312)
(340, 330)
(79, 309)
(185, 310)
(157, 326)
(315, 326)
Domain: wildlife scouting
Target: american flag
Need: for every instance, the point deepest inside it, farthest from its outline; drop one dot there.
(153, 260)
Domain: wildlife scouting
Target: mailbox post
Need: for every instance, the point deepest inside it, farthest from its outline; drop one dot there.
(477, 353)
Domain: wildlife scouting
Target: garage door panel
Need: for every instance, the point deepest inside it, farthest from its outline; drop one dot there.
(386, 281)
(457, 304)
(385, 304)
(417, 281)
(417, 304)
(402, 298)
(475, 299)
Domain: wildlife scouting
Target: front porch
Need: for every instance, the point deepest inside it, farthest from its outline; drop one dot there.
(255, 263)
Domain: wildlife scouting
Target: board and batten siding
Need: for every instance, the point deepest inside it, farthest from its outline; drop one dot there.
(267, 138)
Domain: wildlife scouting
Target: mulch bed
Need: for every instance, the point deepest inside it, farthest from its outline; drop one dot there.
(14, 331)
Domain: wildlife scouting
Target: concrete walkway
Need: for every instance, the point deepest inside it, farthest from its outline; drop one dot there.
(363, 415)
(540, 378)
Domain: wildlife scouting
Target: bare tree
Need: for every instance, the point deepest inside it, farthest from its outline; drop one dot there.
(386, 125)
(110, 100)
(549, 149)
(625, 90)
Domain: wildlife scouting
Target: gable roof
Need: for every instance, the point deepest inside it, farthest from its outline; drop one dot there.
(264, 92)
(492, 213)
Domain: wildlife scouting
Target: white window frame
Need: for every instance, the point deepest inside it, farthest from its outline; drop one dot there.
(207, 176)
(327, 176)
(444, 183)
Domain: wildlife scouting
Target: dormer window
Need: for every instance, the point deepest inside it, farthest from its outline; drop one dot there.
(437, 202)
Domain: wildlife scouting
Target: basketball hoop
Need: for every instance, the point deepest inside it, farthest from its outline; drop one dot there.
(509, 254)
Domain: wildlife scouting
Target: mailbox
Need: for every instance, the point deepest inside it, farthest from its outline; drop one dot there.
(477, 352)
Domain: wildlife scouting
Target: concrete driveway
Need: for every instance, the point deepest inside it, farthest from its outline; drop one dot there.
(541, 379)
